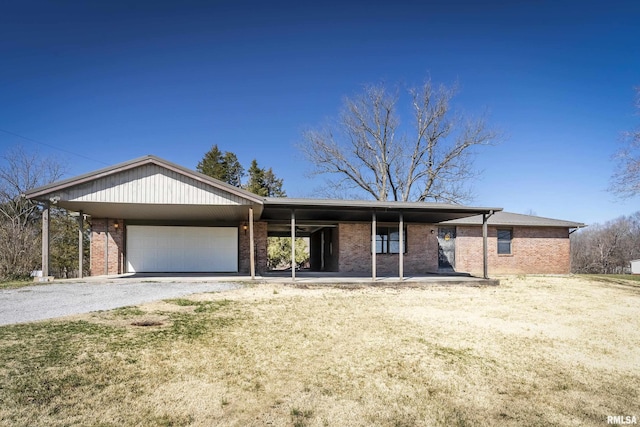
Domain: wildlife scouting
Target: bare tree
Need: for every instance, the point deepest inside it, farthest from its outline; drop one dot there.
(625, 181)
(19, 218)
(369, 150)
(606, 248)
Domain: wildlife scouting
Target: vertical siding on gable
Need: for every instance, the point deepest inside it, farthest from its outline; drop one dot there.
(151, 184)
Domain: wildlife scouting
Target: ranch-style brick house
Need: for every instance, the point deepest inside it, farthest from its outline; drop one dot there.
(149, 215)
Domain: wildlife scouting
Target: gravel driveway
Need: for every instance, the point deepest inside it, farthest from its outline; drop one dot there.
(64, 299)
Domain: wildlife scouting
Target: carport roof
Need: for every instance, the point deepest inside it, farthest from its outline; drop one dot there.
(327, 210)
(95, 194)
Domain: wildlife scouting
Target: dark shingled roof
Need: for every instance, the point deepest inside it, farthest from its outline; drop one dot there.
(514, 219)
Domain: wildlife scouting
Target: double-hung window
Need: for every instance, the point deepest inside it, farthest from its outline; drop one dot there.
(388, 240)
(504, 241)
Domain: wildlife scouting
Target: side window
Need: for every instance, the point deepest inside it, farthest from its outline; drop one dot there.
(504, 241)
(388, 240)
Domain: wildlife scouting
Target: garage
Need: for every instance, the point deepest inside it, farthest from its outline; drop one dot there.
(177, 249)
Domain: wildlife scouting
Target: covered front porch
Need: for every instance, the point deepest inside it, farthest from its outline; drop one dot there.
(370, 239)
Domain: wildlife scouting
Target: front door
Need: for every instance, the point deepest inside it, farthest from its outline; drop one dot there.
(447, 248)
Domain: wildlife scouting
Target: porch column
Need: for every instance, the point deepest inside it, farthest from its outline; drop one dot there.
(373, 245)
(401, 251)
(80, 244)
(252, 255)
(484, 246)
(293, 244)
(46, 221)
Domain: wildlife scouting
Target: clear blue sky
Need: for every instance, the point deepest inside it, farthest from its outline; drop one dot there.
(115, 80)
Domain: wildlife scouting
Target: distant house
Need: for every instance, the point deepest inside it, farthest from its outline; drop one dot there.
(635, 266)
(150, 215)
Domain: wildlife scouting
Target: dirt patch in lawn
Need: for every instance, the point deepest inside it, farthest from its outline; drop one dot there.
(533, 351)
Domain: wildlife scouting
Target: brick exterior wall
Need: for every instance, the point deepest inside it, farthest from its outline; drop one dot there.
(114, 254)
(355, 251)
(260, 241)
(534, 250)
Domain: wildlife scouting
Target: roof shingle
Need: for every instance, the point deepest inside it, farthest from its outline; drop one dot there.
(514, 219)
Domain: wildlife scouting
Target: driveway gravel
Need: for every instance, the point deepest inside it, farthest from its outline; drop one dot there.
(65, 299)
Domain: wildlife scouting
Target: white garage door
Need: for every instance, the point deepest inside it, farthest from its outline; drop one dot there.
(156, 249)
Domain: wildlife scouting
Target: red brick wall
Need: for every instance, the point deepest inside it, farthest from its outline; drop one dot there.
(260, 240)
(355, 251)
(99, 228)
(534, 250)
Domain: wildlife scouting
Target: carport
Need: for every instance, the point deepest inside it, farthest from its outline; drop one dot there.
(154, 216)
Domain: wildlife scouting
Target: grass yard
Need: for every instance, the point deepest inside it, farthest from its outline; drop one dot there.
(535, 351)
(15, 284)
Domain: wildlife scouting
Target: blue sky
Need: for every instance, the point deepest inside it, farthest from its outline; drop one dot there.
(109, 81)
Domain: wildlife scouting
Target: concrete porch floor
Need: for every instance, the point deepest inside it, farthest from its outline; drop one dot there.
(302, 277)
(353, 279)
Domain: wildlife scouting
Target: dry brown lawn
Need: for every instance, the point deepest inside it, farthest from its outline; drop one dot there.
(533, 351)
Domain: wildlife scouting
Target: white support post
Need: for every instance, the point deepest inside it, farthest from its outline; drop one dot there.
(293, 244)
(485, 268)
(401, 250)
(252, 255)
(373, 245)
(80, 244)
(46, 222)
(106, 247)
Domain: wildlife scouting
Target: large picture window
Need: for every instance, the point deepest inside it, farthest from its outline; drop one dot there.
(504, 241)
(388, 240)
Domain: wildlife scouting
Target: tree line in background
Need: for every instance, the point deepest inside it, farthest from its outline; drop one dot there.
(21, 219)
(263, 182)
(606, 248)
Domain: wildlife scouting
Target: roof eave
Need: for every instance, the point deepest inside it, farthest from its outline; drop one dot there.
(363, 204)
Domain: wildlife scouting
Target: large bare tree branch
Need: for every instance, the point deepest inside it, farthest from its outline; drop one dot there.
(368, 149)
(625, 181)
